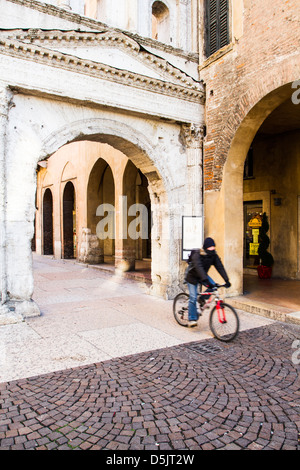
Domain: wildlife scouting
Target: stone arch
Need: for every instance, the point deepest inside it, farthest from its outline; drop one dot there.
(68, 172)
(140, 140)
(135, 145)
(140, 150)
(100, 194)
(135, 221)
(253, 107)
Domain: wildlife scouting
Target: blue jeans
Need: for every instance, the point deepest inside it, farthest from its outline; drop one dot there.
(193, 291)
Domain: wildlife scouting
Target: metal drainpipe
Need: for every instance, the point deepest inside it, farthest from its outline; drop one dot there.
(4, 107)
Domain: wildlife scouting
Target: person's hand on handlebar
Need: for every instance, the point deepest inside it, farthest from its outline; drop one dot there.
(227, 284)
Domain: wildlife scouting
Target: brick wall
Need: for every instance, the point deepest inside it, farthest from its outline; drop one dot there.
(237, 77)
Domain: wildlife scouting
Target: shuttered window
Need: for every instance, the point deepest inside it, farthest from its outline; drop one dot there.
(217, 34)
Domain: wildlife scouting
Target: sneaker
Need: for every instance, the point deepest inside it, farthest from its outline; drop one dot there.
(192, 323)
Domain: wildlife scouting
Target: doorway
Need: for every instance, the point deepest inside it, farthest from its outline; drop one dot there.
(253, 211)
(48, 222)
(69, 222)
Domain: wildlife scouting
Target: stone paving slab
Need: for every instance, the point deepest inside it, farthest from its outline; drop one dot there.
(202, 395)
(293, 318)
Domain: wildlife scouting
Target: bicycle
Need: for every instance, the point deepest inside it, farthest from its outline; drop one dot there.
(223, 320)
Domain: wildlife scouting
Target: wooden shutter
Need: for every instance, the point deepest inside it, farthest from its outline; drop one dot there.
(216, 25)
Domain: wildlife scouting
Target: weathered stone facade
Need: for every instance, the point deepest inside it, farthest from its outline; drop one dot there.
(185, 121)
(75, 79)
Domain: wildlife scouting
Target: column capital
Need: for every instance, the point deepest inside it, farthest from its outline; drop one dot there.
(192, 135)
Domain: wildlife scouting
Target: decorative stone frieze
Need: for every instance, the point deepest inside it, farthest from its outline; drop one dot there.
(54, 38)
(52, 58)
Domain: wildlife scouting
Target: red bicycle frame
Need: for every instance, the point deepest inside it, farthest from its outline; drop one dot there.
(221, 312)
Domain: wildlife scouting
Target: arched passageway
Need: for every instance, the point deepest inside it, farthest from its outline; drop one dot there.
(158, 155)
(129, 180)
(69, 221)
(272, 182)
(100, 200)
(119, 217)
(269, 136)
(48, 222)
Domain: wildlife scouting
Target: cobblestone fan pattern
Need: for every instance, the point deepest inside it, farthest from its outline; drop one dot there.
(204, 395)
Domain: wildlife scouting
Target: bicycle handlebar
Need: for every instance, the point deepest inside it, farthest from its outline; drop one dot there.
(217, 286)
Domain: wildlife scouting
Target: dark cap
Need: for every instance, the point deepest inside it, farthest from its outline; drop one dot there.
(208, 242)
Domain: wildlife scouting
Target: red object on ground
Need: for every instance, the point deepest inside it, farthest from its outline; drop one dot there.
(264, 272)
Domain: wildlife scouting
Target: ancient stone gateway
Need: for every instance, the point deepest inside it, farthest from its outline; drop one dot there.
(76, 80)
(37, 127)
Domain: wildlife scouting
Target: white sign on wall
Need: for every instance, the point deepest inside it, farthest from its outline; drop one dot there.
(192, 234)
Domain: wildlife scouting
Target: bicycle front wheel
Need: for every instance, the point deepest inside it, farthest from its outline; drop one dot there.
(224, 322)
(181, 308)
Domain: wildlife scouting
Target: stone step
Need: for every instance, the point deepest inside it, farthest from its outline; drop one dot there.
(274, 312)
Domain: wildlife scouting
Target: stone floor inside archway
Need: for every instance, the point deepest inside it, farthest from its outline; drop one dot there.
(142, 270)
(282, 292)
(272, 298)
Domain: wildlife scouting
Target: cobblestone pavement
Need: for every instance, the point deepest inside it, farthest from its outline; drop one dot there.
(199, 395)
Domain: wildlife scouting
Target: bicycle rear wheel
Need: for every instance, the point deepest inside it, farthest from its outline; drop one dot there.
(181, 308)
(224, 322)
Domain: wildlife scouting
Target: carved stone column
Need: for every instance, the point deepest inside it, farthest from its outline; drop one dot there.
(6, 315)
(4, 106)
(125, 197)
(192, 139)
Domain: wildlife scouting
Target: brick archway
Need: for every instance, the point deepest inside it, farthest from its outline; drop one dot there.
(235, 137)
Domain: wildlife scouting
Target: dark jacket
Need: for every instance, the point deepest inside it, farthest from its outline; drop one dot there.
(200, 264)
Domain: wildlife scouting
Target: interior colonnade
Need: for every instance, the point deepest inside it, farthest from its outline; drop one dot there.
(93, 205)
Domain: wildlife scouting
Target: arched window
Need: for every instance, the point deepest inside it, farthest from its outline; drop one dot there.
(160, 22)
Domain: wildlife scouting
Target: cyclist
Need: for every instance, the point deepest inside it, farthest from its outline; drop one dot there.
(199, 263)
